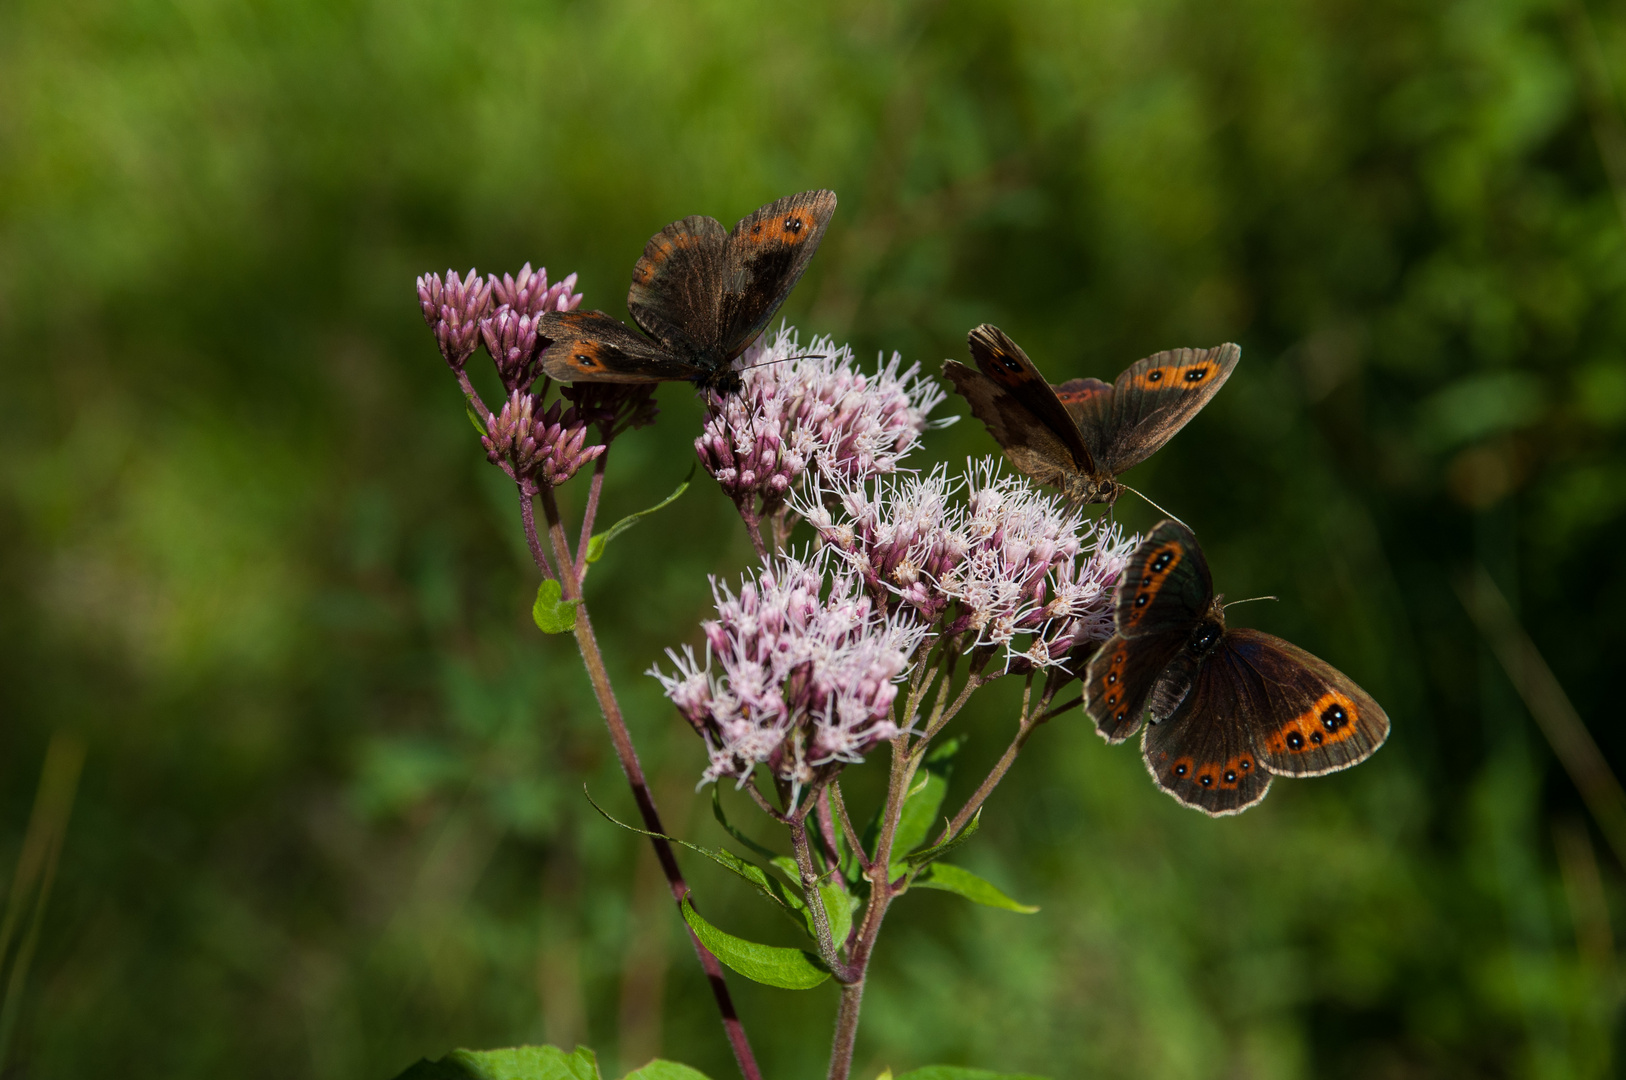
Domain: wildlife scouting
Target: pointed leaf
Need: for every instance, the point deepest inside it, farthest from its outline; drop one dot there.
(979, 890)
(474, 418)
(937, 851)
(787, 899)
(596, 545)
(665, 1070)
(771, 965)
(514, 1063)
(552, 614)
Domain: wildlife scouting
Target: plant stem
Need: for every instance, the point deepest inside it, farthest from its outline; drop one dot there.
(753, 526)
(1001, 767)
(588, 515)
(527, 515)
(815, 900)
(473, 396)
(841, 1053)
(599, 676)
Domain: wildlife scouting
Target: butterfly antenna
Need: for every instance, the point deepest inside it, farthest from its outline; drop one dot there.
(1154, 505)
(783, 359)
(1251, 599)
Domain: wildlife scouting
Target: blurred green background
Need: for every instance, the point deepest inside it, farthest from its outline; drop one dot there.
(251, 554)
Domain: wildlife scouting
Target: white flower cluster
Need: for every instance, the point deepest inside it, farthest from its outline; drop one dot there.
(801, 671)
(812, 409)
(980, 553)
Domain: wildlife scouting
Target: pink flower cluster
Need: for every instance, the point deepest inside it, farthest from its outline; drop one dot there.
(459, 311)
(806, 670)
(537, 451)
(982, 554)
(812, 409)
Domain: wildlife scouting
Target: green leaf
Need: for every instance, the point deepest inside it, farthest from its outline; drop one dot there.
(937, 851)
(474, 418)
(596, 546)
(920, 811)
(788, 900)
(665, 1070)
(956, 1072)
(788, 969)
(839, 905)
(979, 890)
(514, 1063)
(552, 614)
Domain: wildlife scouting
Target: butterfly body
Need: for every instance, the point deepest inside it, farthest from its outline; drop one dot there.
(1220, 710)
(1079, 435)
(700, 293)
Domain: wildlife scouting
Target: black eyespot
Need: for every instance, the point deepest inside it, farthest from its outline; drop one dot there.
(1140, 601)
(1196, 374)
(1161, 563)
(1206, 780)
(1145, 581)
(1118, 659)
(1295, 741)
(1246, 764)
(1112, 677)
(1230, 776)
(793, 224)
(1180, 769)
(1113, 700)
(586, 361)
(1334, 717)
(1120, 715)
(1315, 737)
(1009, 362)
(1155, 376)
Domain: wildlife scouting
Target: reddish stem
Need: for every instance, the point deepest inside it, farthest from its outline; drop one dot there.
(598, 674)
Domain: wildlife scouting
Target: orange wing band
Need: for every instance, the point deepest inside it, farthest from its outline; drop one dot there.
(1330, 720)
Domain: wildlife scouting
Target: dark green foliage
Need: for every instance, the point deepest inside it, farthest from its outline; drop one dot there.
(329, 822)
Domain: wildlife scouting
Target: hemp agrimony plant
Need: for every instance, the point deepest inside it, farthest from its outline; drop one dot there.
(911, 591)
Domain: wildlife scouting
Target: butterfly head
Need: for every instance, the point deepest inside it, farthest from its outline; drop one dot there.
(1081, 488)
(1205, 636)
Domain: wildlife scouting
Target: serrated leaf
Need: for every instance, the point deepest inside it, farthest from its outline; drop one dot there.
(771, 965)
(474, 418)
(553, 614)
(513, 1063)
(786, 899)
(597, 544)
(665, 1070)
(957, 1072)
(937, 851)
(979, 890)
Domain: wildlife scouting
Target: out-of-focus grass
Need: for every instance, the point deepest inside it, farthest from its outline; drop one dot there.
(251, 553)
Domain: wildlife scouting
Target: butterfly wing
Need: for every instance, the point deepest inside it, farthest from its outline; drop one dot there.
(1165, 587)
(1029, 444)
(678, 283)
(1306, 717)
(1203, 754)
(1119, 681)
(764, 258)
(1161, 597)
(1150, 401)
(589, 346)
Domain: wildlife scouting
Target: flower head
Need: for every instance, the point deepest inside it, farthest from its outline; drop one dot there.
(530, 293)
(538, 451)
(812, 410)
(981, 554)
(453, 308)
(801, 671)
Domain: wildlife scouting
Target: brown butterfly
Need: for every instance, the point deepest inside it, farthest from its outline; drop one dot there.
(1080, 435)
(1227, 709)
(701, 293)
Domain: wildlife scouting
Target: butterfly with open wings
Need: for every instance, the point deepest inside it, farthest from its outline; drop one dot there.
(1224, 709)
(1080, 435)
(700, 292)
